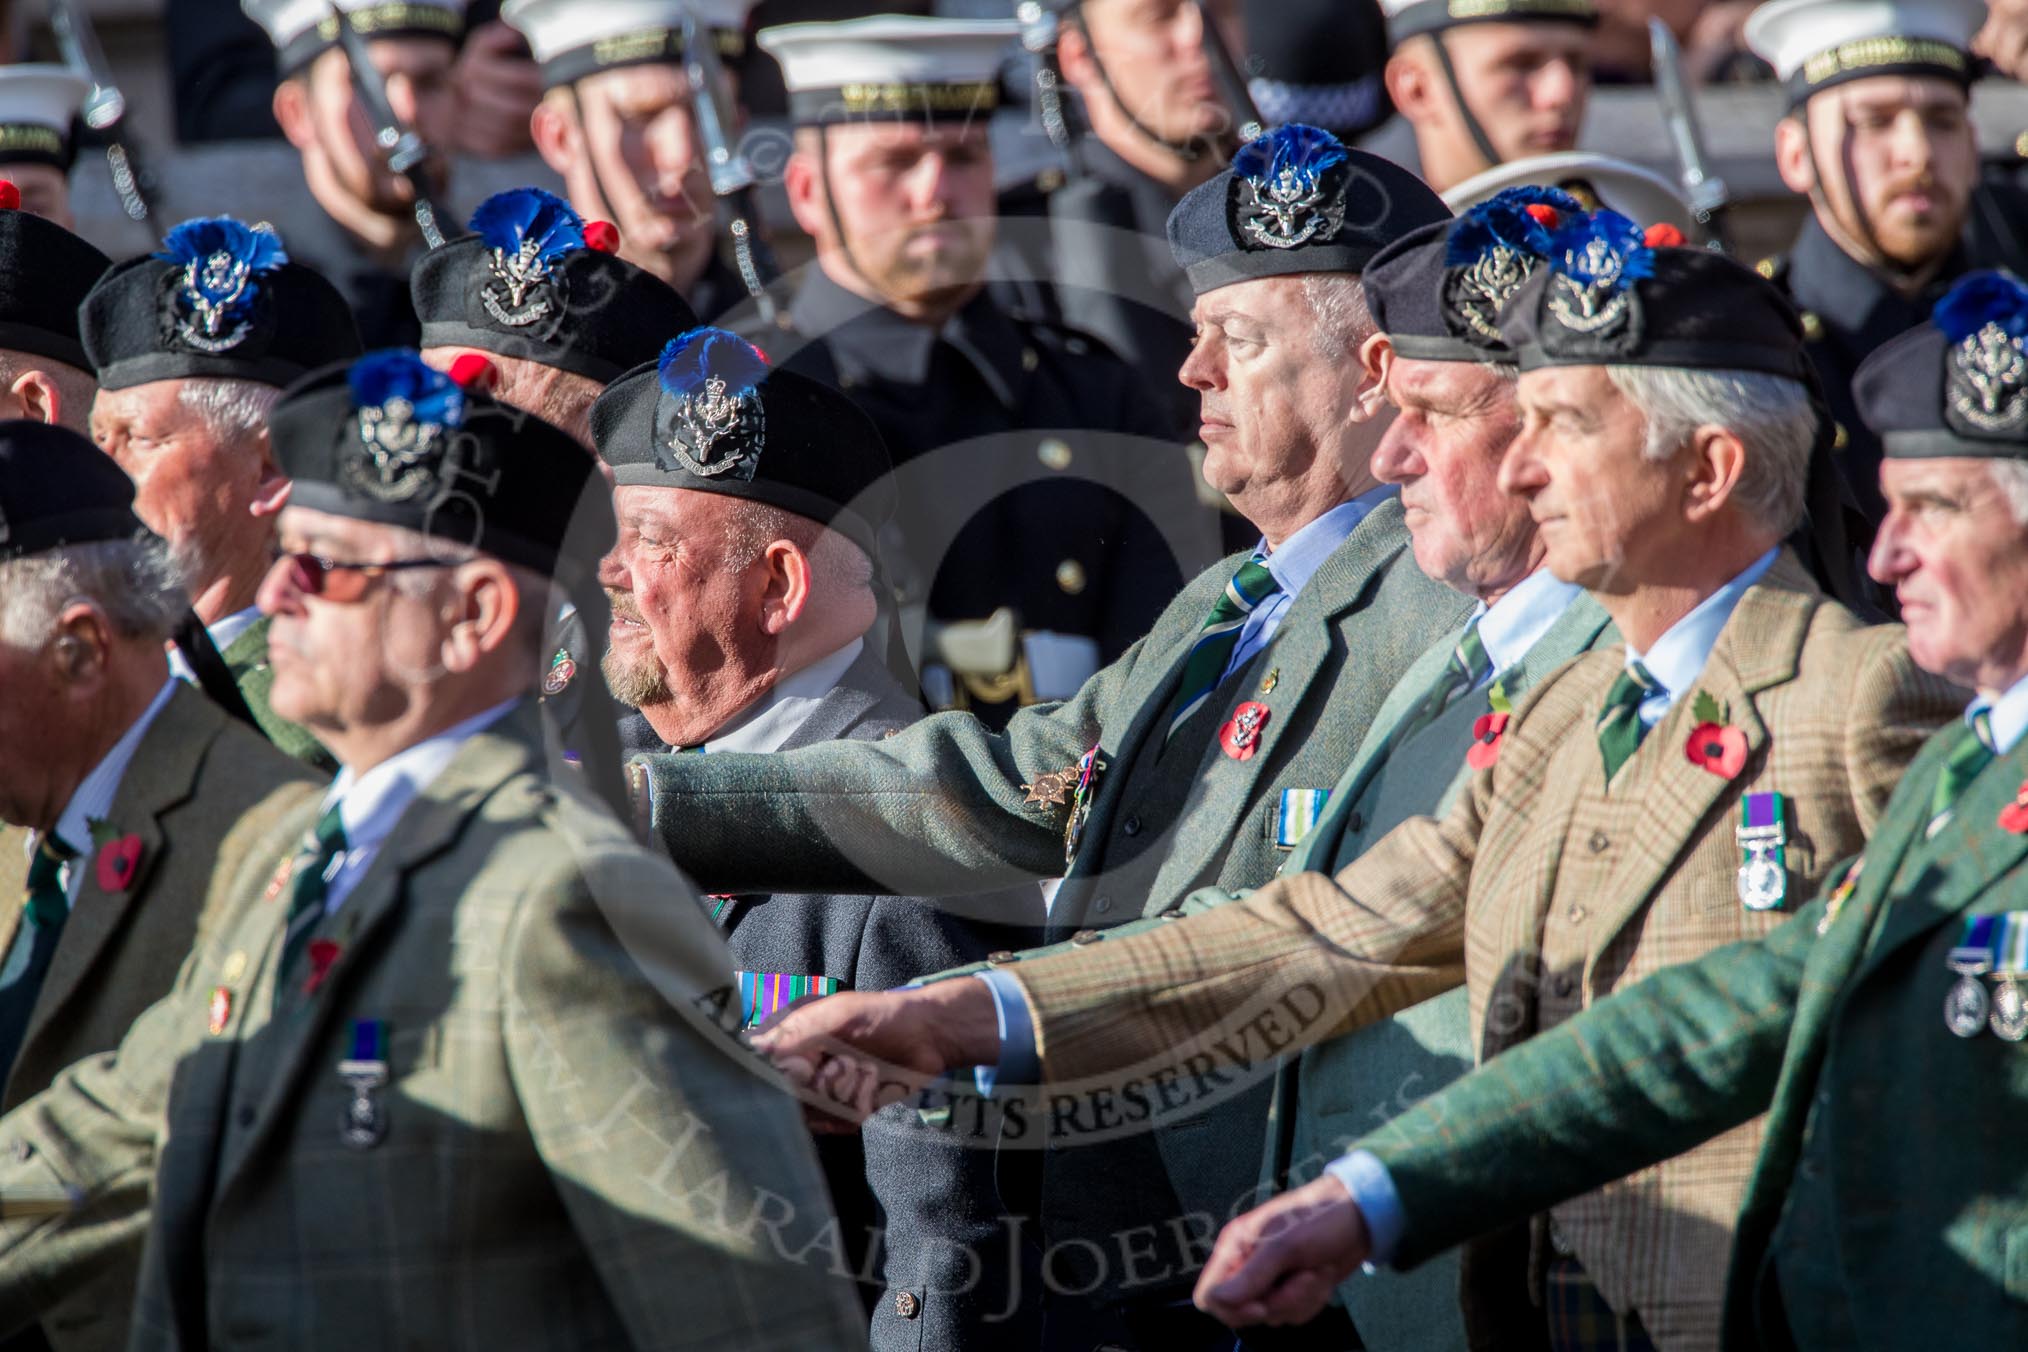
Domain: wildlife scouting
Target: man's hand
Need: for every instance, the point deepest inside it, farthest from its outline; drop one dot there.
(857, 1052)
(2004, 39)
(498, 86)
(1279, 1263)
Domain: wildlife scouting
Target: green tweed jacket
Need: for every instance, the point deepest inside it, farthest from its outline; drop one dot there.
(533, 1014)
(200, 793)
(1542, 890)
(247, 658)
(1889, 1191)
(946, 807)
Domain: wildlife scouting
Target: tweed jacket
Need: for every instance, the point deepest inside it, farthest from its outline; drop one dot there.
(1888, 1189)
(246, 657)
(199, 793)
(561, 1145)
(949, 807)
(1543, 891)
(930, 1198)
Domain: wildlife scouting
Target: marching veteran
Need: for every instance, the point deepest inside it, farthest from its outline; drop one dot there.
(45, 272)
(745, 619)
(1647, 804)
(1198, 757)
(191, 346)
(1887, 1189)
(452, 1010)
(125, 790)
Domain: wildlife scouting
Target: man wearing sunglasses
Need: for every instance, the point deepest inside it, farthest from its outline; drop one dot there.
(451, 1068)
(191, 354)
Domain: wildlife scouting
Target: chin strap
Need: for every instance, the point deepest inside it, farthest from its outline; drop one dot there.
(1190, 151)
(1465, 114)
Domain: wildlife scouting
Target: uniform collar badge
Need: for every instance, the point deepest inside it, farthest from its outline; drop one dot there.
(527, 233)
(1288, 188)
(213, 304)
(1491, 250)
(407, 412)
(1986, 380)
(710, 421)
(1595, 262)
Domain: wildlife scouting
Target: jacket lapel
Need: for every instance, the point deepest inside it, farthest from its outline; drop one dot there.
(843, 705)
(15, 843)
(430, 826)
(1759, 647)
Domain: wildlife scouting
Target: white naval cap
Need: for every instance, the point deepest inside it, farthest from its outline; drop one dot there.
(38, 102)
(1406, 18)
(1638, 193)
(1814, 44)
(891, 67)
(571, 39)
(302, 30)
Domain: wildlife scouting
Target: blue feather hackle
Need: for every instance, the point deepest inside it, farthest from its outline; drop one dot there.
(1306, 151)
(1980, 298)
(692, 358)
(1502, 221)
(398, 373)
(197, 240)
(507, 219)
(1628, 257)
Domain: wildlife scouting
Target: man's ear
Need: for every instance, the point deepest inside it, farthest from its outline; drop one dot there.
(1369, 395)
(83, 644)
(786, 585)
(292, 111)
(1074, 58)
(1792, 154)
(1716, 462)
(1376, 356)
(805, 188)
(1409, 86)
(40, 399)
(271, 491)
(556, 135)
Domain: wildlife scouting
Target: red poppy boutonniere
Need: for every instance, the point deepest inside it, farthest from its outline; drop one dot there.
(1715, 746)
(322, 953)
(118, 859)
(1489, 730)
(2014, 816)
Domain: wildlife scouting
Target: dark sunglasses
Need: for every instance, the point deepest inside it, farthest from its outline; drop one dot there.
(331, 580)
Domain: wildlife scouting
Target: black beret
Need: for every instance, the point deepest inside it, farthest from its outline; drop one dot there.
(1957, 385)
(57, 489)
(1437, 292)
(45, 272)
(388, 439)
(218, 300)
(1607, 299)
(1295, 200)
(526, 284)
(710, 414)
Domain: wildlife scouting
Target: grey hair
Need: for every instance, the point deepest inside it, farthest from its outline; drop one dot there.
(1772, 415)
(1338, 304)
(134, 581)
(229, 409)
(836, 563)
(2011, 478)
(1502, 371)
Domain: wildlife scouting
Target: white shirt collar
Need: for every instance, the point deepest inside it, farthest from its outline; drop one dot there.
(773, 719)
(93, 798)
(1517, 621)
(371, 803)
(227, 630)
(1303, 553)
(2010, 714)
(1679, 655)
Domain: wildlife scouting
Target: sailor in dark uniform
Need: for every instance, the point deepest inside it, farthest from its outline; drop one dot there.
(1046, 511)
(618, 122)
(1880, 138)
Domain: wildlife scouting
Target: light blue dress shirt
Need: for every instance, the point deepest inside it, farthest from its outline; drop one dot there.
(1676, 661)
(1293, 565)
(2010, 714)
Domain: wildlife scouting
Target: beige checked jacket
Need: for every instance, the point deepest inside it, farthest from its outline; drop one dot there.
(1543, 892)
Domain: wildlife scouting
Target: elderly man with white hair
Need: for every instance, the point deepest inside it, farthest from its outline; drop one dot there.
(192, 345)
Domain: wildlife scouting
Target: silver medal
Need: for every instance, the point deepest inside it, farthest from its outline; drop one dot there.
(1967, 1004)
(2010, 1010)
(1762, 884)
(363, 1124)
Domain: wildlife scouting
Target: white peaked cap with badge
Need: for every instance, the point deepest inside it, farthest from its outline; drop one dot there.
(889, 49)
(1638, 193)
(41, 95)
(1789, 34)
(287, 20)
(553, 27)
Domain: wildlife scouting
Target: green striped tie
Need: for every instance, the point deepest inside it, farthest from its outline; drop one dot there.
(1620, 729)
(1960, 768)
(1470, 664)
(309, 888)
(1205, 666)
(48, 902)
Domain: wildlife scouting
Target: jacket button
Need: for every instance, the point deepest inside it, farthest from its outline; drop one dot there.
(1563, 985)
(245, 1115)
(1054, 452)
(1085, 936)
(1131, 826)
(1576, 915)
(23, 1151)
(1102, 905)
(1598, 842)
(1355, 822)
(1000, 955)
(906, 1305)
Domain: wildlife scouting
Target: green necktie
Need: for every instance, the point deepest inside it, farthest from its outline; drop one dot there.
(48, 903)
(1205, 666)
(1469, 665)
(1620, 729)
(1960, 768)
(309, 887)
